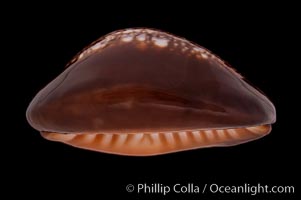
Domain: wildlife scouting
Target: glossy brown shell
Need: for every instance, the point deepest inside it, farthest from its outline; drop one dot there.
(147, 92)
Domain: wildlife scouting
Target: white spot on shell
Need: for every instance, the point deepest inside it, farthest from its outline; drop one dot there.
(184, 49)
(141, 37)
(205, 56)
(109, 38)
(149, 31)
(198, 49)
(160, 42)
(98, 45)
(81, 55)
(129, 31)
(127, 38)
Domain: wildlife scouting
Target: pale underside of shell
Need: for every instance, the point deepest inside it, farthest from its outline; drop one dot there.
(147, 144)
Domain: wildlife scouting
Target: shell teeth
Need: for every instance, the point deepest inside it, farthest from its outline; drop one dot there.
(183, 136)
(209, 134)
(169, 138)
(136, 138)
(89, 138)
(197, 136)
(221, 134)
(233, 133)
(121, 139)
(158, 143)
(107, 138)
(155, 137)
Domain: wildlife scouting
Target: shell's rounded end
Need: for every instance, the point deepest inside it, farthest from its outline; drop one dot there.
(148, 144)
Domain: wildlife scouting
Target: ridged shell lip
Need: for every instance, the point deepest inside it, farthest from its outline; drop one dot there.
(148, 144)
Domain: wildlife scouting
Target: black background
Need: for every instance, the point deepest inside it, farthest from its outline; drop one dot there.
(256, 43)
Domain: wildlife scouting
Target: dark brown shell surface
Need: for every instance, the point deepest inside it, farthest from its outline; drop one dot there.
(147, 92)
